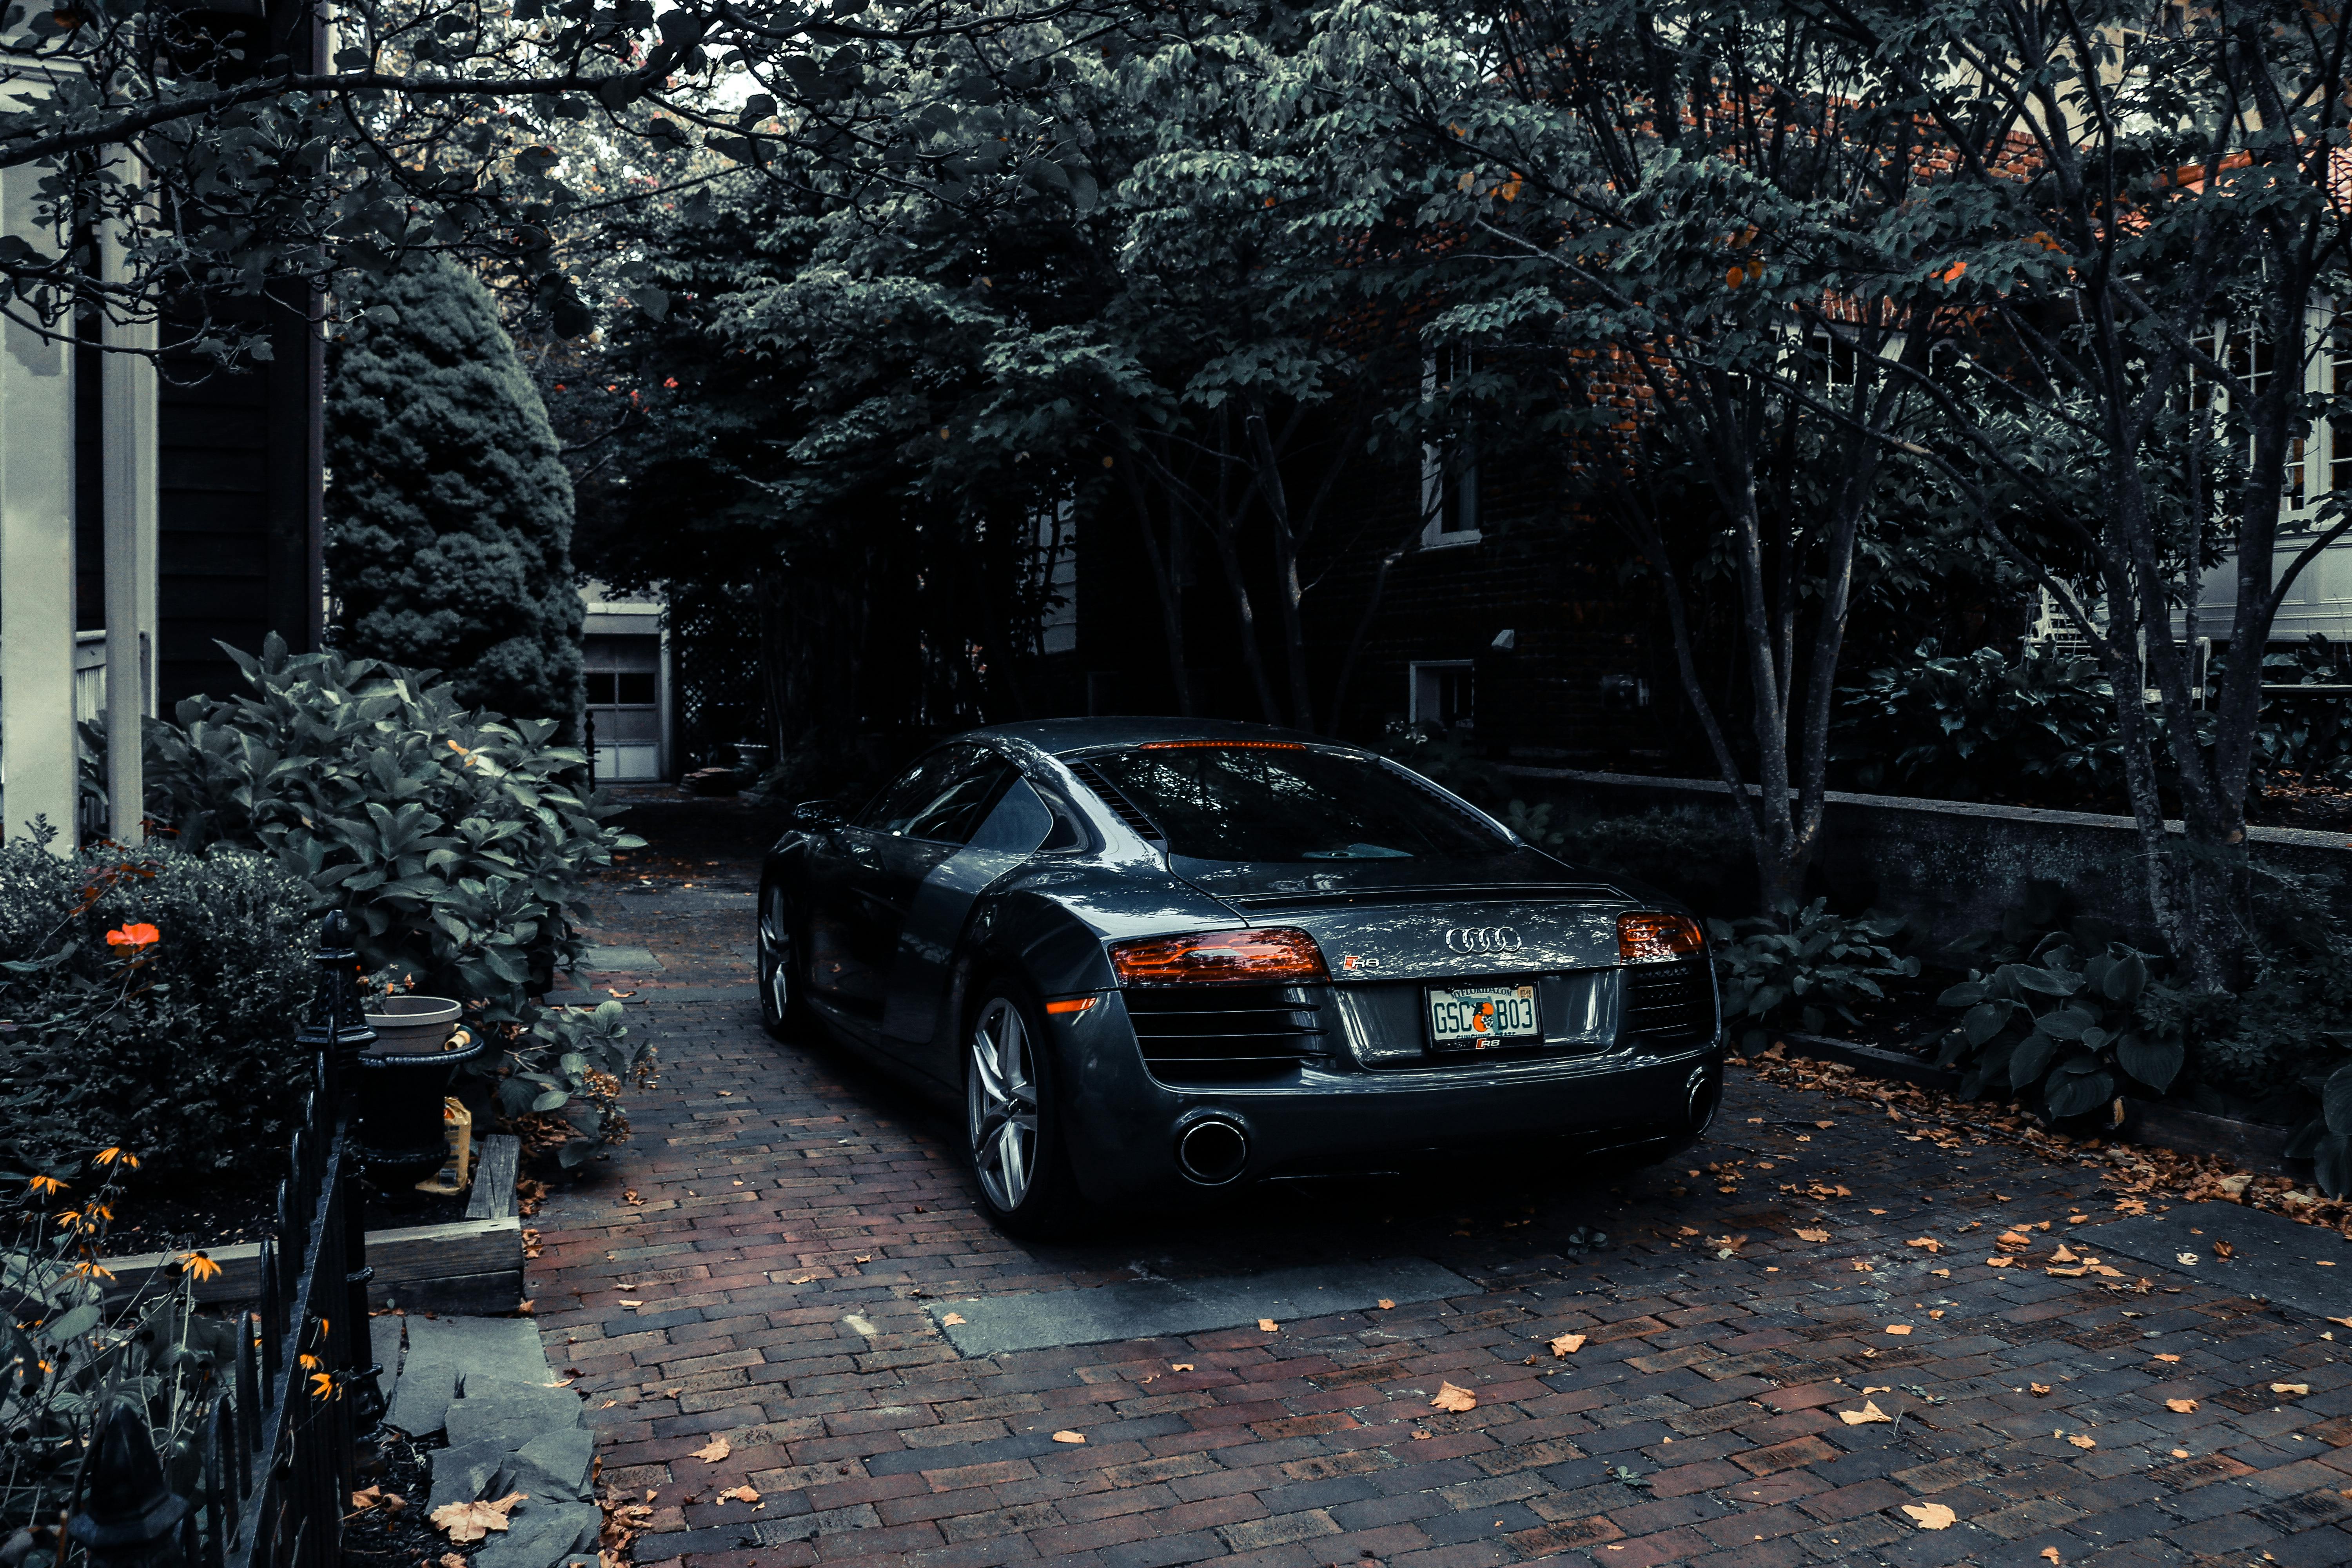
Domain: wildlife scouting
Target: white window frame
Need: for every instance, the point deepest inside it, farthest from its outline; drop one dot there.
(1435, 534)
(1413, 672)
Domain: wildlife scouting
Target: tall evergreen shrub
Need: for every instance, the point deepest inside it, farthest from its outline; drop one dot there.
(448, 511)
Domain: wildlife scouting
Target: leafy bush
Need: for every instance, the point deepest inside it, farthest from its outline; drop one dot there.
(71, 1358)
(1983, 727)
(2309, 736)
(2073, 1031)
(458, 841)
(156, 996)
(449, 518)
(1806, 961)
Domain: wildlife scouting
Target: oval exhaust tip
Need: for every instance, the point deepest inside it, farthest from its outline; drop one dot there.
(1705, 1094)
(1212, 1152)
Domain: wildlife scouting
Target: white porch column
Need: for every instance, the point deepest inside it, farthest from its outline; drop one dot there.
(127, 403)
(37, 558)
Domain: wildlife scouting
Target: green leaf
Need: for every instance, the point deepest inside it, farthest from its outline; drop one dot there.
(552, 1099)
(2336, 1100)
(2070, 1095)
(2155, 1063)
(2030, 1059)
(1985, 1020)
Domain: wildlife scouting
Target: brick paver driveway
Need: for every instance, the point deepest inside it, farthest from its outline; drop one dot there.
(759, 1267)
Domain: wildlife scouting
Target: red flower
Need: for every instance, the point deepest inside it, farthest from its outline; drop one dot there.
(140, 935)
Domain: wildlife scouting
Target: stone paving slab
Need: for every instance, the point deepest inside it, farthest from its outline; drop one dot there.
(2272, 1256)
(1150, 1309)
(766, 1264)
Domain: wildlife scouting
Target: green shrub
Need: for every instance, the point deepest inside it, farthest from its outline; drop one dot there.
(1806, 963)
(2070, 1031)
(1982, 726)
(180, 1049)
(459, 843)
(71, 1358)
(449, 517)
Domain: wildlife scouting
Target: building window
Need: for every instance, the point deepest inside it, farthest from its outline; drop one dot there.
(625, 705)
(1443, 696)
(1449, 470)
(1053, 573)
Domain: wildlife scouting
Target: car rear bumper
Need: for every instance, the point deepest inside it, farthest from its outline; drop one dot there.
(1125, 1126)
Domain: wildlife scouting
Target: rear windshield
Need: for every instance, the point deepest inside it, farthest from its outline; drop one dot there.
(1292, 804)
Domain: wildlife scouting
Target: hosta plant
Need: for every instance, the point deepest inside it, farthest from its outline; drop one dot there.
(1806, 963)
(458, 841)
(2070, 1031)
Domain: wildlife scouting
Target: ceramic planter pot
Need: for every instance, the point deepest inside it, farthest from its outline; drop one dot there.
(412, 1026)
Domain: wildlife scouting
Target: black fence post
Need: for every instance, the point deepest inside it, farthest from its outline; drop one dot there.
(130, 1519)
(339, 1038)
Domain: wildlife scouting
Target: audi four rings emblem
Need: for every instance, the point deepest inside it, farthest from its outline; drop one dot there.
(1482, 939)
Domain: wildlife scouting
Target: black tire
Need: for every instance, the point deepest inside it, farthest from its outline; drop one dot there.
(1012, 1121)
(781, 1012)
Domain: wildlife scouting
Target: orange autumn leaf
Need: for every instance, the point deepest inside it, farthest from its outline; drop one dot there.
(1450, 1397)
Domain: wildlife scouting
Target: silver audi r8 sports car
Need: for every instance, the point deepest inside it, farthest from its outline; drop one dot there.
(1153, 958)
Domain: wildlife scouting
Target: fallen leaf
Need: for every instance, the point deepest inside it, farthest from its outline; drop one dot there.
(1862, 1266)
(1449, 1398)
(2297, 1389)
(1925, 1244)
(625, 1302)
(863, 1258)
(1869, 1413)
(2346, 1322)
(1824, 1125)
(451, 1560)
(2181, 1406)
(2014, 1241)
(2180, 1453)
(2001, 1262)
(2064, 1254)
(463, 1522)
(1267, 1326)
(1069, 1437)
(952, 1320)
(1898, 1327)
(630, 1196)
(2189, 1257)
(1812, 1235)
(2073, 1273)
(2038, 1390)
(1568, 1344)
(715, 1450)
(1387, 1305)
(1931, 1515)
(1422, 1436)
(2166, 1355)
(2051, 1552)
(1179, 1366)
(2224, 1251)
(741, 1494)
(525, 1308)
(2082, 1441)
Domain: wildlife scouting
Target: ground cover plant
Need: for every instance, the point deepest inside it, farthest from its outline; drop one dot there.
(458, 841)
(74, 1357)
(155, 997)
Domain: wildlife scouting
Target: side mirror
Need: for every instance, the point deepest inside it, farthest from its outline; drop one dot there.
(817, 815)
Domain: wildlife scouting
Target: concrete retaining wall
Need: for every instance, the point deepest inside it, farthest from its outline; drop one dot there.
(1953, 865)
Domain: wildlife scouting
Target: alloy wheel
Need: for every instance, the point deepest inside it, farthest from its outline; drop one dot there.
(1001, 1104)
(776, 959)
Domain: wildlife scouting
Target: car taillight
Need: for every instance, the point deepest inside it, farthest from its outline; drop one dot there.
(1275, 955)
(1647, 937)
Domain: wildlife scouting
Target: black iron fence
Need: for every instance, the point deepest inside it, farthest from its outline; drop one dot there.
(280, 1436)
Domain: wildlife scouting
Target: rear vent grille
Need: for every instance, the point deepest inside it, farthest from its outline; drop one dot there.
(1216, 1034)
(1120, 806)
(1669, 1004)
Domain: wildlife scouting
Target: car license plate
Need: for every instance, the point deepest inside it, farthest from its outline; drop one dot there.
(1484, 1017)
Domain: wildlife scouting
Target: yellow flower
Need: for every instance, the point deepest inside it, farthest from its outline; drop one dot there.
(199, 1268)
(322, 1383)
(70, 1217)
(311, 1362)
(45, 1185)
(107, 1156)
(92, 1271)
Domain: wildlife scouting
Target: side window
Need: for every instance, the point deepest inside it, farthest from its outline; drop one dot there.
(890, 811)
(942, 798)
(951, 814)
